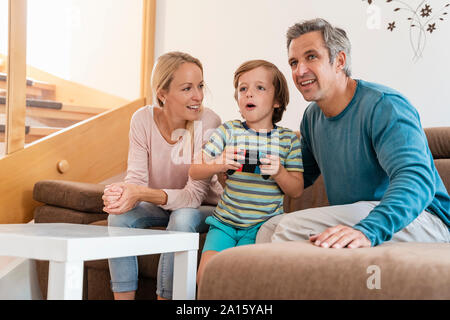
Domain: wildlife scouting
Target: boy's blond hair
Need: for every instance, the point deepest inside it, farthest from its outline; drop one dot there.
(281, 94)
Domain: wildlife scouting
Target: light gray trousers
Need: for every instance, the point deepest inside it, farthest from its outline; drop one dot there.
(300, 225)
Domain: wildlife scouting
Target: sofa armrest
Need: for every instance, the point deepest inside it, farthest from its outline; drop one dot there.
(300, 270)
(312, 197)
(79, 196)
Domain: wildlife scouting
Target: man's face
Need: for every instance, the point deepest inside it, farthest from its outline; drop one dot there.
(312, 72)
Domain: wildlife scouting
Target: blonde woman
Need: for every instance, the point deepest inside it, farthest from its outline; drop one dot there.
(157, 190)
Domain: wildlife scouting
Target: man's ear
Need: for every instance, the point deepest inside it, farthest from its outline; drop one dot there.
(340, 61)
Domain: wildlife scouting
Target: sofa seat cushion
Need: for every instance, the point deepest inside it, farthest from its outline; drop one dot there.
(300, 270)
(84, 197)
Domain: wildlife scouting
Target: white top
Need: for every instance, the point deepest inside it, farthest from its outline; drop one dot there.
(70, 242)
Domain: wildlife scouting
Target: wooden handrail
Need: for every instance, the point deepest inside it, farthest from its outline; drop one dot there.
(96, 149)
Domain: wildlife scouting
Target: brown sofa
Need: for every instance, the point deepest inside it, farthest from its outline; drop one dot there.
(292, 270)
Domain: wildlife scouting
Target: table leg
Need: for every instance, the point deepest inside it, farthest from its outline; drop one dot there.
(184, 275)
(65, 280)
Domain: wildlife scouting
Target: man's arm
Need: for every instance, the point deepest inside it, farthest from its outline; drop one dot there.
(311, 169)
(402, 151)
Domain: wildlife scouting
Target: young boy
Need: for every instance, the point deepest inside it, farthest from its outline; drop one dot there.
(263, 161)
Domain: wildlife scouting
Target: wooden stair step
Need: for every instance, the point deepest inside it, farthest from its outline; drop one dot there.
(34, 88)
(32, 133)
(4, 77)
(38, 103)
(55, 110)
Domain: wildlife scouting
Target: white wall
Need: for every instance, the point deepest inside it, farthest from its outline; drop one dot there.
(225, 33)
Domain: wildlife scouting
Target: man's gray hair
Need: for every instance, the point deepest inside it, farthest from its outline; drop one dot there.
(335, 38)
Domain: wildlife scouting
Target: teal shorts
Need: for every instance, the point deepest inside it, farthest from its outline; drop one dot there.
(221, 236)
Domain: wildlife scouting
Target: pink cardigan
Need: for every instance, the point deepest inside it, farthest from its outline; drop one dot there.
(155, 163)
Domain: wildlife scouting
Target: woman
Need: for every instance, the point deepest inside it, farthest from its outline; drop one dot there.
(157, 190)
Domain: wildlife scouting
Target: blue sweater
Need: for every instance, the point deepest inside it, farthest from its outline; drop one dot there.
(375, 149)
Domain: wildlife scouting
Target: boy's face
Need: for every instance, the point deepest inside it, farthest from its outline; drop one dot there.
(256, 98)
(312, 72)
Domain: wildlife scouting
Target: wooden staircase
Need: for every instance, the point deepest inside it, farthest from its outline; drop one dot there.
(44, 115)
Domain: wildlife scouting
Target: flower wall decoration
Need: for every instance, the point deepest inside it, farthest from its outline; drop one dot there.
(423, 20)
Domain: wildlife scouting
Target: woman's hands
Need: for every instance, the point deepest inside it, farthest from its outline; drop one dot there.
(120, 197)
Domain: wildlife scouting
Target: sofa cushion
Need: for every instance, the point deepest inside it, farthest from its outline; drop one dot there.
(300, 270)
(84, 197)
(52, 214)
(439, 141)
(312, 197)
(443, 167)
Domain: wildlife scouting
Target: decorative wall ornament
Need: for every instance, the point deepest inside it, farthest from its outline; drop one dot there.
(423, 20)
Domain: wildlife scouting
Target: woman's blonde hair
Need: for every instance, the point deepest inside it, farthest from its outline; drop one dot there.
(165, 67)
(162, 76)
(281, 94)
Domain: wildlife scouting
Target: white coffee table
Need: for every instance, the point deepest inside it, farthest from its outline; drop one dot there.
(67, 246)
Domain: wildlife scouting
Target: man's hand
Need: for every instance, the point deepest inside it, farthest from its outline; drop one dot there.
(340, 237)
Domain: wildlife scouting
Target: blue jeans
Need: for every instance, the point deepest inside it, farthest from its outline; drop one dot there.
(124, 271)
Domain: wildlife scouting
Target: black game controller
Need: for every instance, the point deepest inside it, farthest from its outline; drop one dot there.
(250, 165)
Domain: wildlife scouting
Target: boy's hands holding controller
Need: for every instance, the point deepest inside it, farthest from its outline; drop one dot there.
(270, 165)
(229, 159)
(208, 166)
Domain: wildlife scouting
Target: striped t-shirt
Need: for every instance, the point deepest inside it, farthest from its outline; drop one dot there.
(248, 198)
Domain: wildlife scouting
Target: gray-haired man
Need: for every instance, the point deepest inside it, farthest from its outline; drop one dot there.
(367, 142)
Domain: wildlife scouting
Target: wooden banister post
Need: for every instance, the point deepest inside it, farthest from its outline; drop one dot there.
(16, 83)
(148, 48)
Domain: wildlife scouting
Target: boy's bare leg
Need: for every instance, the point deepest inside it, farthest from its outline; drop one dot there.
(206, 256)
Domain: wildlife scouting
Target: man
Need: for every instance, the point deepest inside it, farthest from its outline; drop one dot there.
(367, 142)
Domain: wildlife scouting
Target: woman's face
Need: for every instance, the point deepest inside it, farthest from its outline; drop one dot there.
(185, 94)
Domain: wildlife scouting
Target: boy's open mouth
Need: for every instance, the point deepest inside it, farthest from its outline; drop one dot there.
(250, 106)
